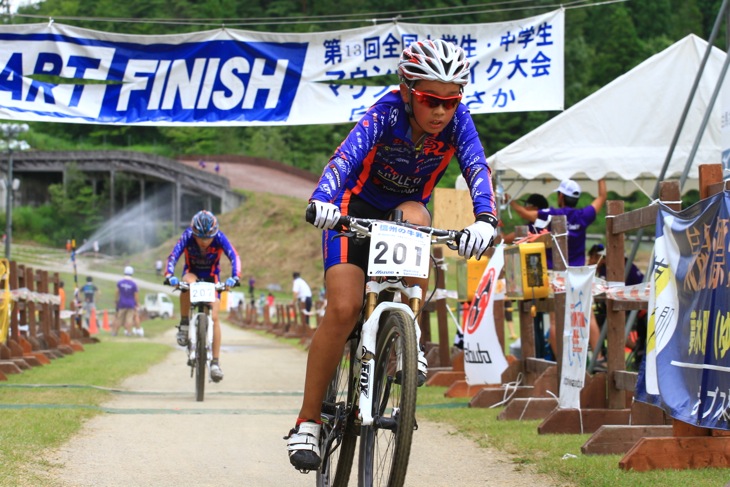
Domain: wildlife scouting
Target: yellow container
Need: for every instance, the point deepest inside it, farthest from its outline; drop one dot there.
(468, 274)
(526, 271)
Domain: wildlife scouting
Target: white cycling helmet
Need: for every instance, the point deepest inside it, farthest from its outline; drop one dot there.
(434, 60)
(128, 270)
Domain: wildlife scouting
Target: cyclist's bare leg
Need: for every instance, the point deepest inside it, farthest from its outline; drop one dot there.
(345, 285)
(185, 297)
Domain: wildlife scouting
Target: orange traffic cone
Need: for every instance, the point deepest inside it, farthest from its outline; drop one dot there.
(105, 320)
(93, 329)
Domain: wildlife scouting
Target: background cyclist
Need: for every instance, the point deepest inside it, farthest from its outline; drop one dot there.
(393, 158)
(203, 244)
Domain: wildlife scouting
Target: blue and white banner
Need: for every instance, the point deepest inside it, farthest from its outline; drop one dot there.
(687, 367)
(52, 72)
(484, 359)
(576, 332)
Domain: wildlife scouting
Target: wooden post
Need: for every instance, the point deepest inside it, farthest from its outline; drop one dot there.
(559, 227)
(615, 320)
(441, 313)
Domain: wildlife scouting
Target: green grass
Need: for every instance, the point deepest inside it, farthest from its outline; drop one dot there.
(544, 453)
(27, 430)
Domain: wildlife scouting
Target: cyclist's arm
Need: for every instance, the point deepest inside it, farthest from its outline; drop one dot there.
(177, 251)
(232, 255)
(349, 156)
(473, 163)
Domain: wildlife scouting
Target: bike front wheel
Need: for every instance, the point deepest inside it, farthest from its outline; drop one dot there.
(201, 356)
(385, 445)
(339, 433)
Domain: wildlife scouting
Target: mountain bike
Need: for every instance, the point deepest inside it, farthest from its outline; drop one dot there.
(200, 332)
(373, 392)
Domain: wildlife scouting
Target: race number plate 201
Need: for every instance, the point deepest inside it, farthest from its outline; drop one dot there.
(202, 292)
(398, 251)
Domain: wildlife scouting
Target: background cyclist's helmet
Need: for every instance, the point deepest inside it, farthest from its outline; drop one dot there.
(433, 60)
(204, 224)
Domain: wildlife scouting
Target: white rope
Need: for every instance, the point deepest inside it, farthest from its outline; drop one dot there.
(560, 251)
(510, 386)
(524, 409)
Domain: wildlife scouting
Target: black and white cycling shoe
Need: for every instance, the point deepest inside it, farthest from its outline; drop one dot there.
(216, 374)
(303, 446)
(182, 332)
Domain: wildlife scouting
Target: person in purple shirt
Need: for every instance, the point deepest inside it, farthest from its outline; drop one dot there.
(203, 245)
(392, 159)
(127, 299)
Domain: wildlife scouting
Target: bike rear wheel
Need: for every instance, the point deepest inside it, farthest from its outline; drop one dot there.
(201, 356)
(385, 446)
(339, 433)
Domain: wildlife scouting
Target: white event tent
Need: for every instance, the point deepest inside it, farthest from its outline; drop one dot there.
(623, 131)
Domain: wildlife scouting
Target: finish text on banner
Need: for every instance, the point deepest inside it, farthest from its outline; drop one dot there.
(53, 72)
(484, 359)
(687, 367)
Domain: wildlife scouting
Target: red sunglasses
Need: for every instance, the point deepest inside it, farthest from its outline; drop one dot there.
(432, 101)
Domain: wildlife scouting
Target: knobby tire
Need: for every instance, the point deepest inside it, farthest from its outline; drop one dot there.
(336, 467)
(201, 356)
(384, 452)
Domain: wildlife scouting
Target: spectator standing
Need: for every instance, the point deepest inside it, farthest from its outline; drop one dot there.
(89, 292)
(61, 296)
(251, 290)
(302, 296)
(158, 267)
(127, 303)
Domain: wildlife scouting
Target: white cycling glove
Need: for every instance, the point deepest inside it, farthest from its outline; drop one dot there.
(476, 239)
(326, 215)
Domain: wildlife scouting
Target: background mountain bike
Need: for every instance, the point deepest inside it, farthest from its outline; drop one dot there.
(200, 332)
(373, 392)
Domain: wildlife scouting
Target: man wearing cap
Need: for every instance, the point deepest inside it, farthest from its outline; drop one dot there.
(577, 219)
(127, 300)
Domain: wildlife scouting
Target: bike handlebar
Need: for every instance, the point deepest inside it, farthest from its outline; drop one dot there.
(185, 286)
(361, 227)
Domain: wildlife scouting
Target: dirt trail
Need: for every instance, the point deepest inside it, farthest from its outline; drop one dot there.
(154, 433)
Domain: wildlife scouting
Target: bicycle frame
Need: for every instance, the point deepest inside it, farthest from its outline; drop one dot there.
(369, 335)
(195, 310)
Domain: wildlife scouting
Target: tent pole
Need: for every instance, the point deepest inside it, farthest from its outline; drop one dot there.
(683, 118)
(705, 120)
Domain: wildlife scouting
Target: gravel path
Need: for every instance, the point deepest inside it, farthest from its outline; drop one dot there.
(155, 434)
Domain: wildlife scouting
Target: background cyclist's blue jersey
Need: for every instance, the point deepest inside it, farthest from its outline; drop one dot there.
(380, 163)
(203, 264)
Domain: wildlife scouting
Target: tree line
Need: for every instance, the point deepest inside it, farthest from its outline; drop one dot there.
(602, 42)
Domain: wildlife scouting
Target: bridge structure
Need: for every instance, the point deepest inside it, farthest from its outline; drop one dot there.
(159, 188)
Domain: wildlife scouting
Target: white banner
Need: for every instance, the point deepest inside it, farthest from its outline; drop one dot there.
(54, 72)
(484, 359)
(578, 309)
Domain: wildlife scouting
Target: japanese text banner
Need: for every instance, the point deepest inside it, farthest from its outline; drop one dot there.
(687, 366)
(231, 77)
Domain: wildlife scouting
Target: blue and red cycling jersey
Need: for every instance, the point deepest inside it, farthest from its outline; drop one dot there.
(379, 162)
(204, 264)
